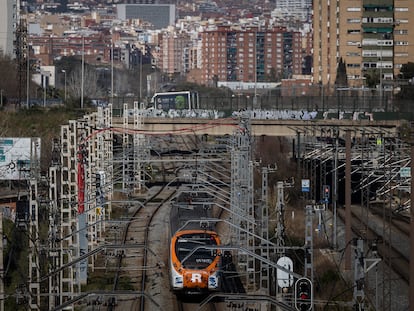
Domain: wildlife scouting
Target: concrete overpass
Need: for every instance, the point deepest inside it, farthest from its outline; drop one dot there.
(221, 127)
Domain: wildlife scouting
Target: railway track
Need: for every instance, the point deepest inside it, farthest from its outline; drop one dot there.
(195, 306)
(390, 233)
(145, 266)
(134, 263)
(401, 222)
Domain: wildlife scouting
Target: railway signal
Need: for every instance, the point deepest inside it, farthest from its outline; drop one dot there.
(99, 184)
(326, 193)
(303, 294)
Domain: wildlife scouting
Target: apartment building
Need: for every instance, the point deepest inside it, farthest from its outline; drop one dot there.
(372, 37)
(250, 54)
(94, 46)
(9, 12)
(174, 52)
(298, 9)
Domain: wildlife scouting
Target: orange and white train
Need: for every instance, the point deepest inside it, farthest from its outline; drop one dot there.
(194, 255)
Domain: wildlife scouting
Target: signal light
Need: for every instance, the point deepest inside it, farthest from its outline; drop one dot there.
(98, 184)
(326, 192)
(303, 294)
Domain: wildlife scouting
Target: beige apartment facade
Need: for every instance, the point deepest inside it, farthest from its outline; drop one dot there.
(372, 37)
(174, 47)
(9, 12)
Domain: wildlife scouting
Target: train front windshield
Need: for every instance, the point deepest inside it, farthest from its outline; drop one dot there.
(201, 258)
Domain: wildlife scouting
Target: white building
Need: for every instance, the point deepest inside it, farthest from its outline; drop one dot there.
(8, 25)
(297, 9)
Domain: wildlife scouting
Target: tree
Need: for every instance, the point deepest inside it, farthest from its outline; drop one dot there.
(9, 82)
(123, 83)
(407, 74)
(372, 78)
(307, 65)
(273, 75)
(341, 77)
(90, 83)
(407, 71)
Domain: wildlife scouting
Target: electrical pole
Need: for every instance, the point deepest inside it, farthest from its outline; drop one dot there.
(309, 242)
(411, 293)
(265, 247)
(140, 75)
(348, 233)
(112, 72)
(359, 275)
(83, 69)
(1, 265)
(335, 191)
(64, 71)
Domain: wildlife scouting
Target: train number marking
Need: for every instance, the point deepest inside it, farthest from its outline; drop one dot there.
(196, 278)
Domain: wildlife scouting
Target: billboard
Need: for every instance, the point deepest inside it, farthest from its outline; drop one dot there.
(17, 155)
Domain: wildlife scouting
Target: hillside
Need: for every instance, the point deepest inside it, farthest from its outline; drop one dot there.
(37, 122)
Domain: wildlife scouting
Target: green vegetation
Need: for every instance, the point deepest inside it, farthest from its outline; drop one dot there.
(37, 122)
(341, 77)
(407, 76)
(15, 256)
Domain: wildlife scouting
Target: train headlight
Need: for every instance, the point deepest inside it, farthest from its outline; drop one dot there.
(212, 282)
(178, 281)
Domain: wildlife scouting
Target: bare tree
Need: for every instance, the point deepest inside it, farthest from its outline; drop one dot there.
(8, 77)
(91, 88)
(121, 83)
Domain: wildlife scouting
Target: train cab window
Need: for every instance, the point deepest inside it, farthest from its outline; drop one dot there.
(201, 258)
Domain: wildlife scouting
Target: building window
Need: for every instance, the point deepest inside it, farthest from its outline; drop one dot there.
(401, 32)
(379, 20)
(369, 65)
(402, 21)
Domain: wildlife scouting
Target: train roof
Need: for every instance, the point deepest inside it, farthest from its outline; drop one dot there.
(191, 205)
(193, 196)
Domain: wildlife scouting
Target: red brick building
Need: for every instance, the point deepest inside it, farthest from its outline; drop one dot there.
(250, 54)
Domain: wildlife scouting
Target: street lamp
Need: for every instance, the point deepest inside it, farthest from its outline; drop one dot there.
(64, 71)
